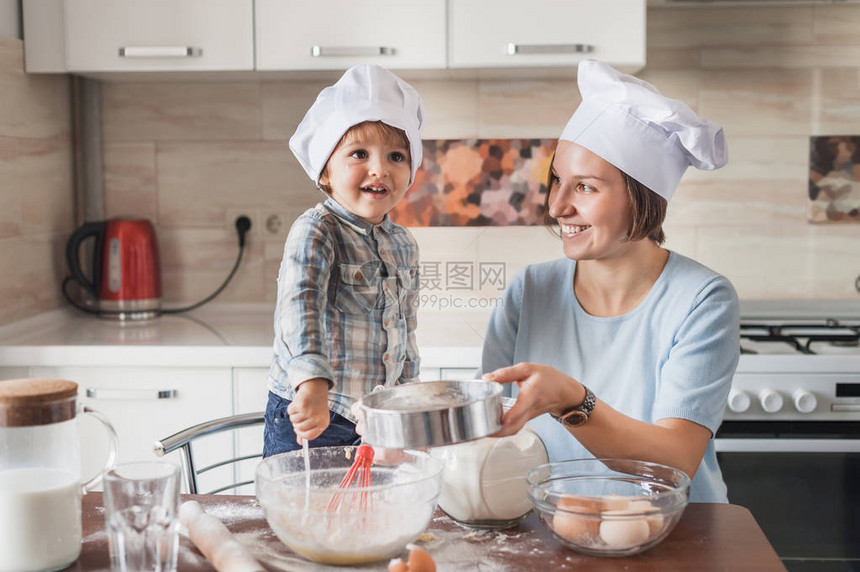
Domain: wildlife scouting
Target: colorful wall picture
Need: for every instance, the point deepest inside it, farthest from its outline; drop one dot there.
(478, 182)
(834, 179)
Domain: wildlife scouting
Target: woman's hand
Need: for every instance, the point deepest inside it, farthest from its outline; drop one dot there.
(309, 412)
(543, 389)
(608, 433)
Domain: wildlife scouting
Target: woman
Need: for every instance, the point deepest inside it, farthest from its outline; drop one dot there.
(629, 348)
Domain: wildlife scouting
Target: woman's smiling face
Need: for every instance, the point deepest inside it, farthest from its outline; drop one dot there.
(589, 200)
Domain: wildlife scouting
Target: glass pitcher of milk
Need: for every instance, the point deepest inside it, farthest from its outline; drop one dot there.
(40, 480)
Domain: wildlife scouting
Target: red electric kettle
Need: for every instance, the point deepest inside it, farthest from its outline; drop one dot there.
(125, 278)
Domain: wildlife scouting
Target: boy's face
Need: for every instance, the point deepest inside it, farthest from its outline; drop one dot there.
(368, 175)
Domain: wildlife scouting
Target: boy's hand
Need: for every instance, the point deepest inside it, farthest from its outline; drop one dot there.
(309, 412)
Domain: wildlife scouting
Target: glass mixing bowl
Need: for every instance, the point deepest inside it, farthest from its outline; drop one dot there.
(608, 507)
(398, 503)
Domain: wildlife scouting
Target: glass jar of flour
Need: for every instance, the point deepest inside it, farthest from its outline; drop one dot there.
(483, 484)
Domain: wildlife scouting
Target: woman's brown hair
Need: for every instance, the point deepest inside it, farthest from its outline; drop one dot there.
(647, 209)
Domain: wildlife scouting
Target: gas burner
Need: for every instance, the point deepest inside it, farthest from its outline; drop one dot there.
(805, 337)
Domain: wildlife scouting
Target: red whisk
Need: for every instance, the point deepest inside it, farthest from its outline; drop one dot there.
(360, 467)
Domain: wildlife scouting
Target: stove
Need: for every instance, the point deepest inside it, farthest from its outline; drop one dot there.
(789, 445)
(799, 362)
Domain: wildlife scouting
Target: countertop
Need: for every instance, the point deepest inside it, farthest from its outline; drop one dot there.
(233, 335)
(708, 537)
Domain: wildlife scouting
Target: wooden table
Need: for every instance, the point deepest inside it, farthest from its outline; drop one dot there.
(708, 537)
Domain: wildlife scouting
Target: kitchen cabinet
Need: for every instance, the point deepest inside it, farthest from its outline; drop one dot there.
(309, 35)
(147, 404)
(457, 373)
(546, 33)
(250, 394)
(115, 36)
(128, 35)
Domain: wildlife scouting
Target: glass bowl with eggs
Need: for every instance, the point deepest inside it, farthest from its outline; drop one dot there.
(319, 520)
(608, 507)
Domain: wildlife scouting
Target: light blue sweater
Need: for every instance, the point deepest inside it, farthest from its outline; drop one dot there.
(672, 356)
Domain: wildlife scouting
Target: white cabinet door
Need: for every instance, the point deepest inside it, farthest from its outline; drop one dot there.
(249, 395)
(147, 404)
(336, 34)
(159, 35)
(429, 374)
(511, 33)
(458, 373)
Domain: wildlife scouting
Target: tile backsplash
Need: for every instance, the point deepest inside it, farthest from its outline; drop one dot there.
(35, 185)
(192, 156)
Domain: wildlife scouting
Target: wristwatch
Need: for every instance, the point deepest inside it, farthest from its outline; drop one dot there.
(579, 414)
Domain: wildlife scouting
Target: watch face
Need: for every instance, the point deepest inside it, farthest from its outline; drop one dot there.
(575, 418)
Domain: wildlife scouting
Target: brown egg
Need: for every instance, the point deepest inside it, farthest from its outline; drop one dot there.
(577, 528)
(615, 502)
(398, 565)
(420, 560)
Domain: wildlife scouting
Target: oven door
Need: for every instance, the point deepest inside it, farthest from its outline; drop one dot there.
(802, 486)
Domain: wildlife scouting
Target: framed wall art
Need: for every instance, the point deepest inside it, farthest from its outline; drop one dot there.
(834, 179)
(478, 182)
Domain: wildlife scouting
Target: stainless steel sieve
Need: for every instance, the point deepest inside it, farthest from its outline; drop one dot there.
(431, 413)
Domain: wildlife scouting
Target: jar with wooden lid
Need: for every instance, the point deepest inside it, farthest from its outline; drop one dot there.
(40, 480)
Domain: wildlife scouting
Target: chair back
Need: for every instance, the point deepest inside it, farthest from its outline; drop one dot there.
(184, 440)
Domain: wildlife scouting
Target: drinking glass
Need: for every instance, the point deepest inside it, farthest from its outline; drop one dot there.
(142, 516)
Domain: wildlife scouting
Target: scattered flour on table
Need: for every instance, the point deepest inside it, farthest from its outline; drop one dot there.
(232, 512)
(455, 550)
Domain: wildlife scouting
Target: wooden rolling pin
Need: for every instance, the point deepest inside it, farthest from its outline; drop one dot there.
(216, 543)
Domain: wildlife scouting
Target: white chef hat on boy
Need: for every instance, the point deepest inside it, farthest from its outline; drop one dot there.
(630, 124)
(363, 93)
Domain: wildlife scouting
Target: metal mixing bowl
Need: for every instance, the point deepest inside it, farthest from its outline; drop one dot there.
(432, 413)
(399, 503)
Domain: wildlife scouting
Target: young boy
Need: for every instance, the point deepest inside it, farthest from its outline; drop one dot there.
(346, 315)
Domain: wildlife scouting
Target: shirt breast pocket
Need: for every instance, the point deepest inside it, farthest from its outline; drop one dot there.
(358, 292)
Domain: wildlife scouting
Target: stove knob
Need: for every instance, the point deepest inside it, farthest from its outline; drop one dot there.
(739, 400)
(804, 401)
(771, 400)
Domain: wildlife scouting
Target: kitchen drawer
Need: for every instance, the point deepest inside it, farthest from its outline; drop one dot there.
(147, 404)
(429, 373)
(129, 35)
(513, 34)
(336, 34)
(458, 373)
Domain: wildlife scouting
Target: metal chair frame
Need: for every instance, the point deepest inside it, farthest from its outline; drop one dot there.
(183, 441)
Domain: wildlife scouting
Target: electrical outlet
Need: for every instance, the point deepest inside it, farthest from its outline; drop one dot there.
(233, 214)
(276, 223)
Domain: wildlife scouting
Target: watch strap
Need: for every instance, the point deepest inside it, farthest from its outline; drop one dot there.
(578, 414)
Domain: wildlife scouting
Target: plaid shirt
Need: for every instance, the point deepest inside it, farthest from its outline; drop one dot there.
(347, 305)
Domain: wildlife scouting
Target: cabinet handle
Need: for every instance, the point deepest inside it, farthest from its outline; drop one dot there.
(532, 49)
(133, 394)
(350, 51)
(160, 52)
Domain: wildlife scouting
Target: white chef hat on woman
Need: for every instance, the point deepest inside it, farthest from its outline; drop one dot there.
(363, 93)
(630, 124)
